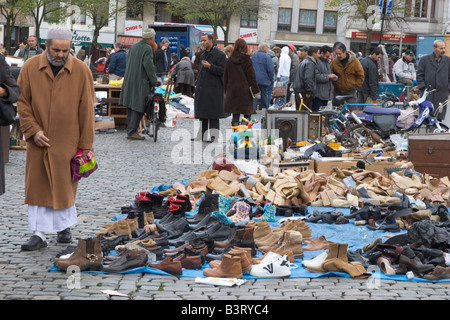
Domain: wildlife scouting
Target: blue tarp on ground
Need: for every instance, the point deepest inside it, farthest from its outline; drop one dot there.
(355, 236)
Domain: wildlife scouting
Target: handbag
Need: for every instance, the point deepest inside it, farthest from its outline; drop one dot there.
(83, 167)
(8, 113)
(222, 162)
(279, 91)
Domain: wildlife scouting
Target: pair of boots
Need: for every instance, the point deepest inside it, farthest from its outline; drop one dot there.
(233, 265)
(144, 201)
(337, 261)
(289, 240)
(243, 238)
(179, 204)
(87, 256)
(208, 203)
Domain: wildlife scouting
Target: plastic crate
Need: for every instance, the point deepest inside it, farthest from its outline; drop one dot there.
(395, 88)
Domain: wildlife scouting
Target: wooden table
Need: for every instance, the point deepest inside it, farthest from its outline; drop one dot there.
(114, 109)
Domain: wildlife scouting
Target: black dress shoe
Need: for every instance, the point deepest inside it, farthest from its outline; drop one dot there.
(64, 236)
(210, 140)
(34, 243)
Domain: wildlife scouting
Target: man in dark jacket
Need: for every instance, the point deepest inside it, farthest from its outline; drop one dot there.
(118, 63)
(324, 79)
(162, 58)
(369, 88)
(209, 93)
(434, 71)
(305, 78)
(264, 70)
(31, 49)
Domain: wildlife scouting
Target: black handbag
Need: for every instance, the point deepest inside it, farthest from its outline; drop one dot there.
(8, 113)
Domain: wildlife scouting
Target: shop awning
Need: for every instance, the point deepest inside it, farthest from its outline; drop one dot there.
(128, 40)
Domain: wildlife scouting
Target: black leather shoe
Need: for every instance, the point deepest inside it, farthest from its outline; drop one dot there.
(34, 243)
(213, 138)
(64, 236)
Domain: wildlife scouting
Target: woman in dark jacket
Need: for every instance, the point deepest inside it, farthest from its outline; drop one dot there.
(239, 81)
(9, 92)
(184, 75)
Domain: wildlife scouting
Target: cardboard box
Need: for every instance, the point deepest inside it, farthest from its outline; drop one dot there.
(300, 166)
(381, 166)
(327, 165)
(104, 123)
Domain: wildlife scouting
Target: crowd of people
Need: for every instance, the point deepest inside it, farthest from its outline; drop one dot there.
(54, 95)
(240, 80)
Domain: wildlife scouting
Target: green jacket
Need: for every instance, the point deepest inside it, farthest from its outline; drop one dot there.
(140, 76)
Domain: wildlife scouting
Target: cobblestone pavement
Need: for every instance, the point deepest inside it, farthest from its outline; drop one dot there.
(125, 168)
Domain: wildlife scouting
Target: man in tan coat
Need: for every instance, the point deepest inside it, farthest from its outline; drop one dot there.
(57, 119)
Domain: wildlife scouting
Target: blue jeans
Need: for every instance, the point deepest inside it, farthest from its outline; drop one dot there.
(265, 99)
(278, 102)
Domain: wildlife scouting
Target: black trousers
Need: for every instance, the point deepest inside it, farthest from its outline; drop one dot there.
(133, 120)
(236, 118)
(213, 125)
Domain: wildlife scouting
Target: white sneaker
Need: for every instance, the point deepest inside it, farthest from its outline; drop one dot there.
(276, 268)
(316, 261)
(270, 257)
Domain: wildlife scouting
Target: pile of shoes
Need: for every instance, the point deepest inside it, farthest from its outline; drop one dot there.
(394, 257)
(223, 218)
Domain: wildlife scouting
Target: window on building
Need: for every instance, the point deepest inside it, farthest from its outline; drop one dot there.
(249, 20)
(419, 8)
(82, 19)
(135, 8)
(307, 20)
(50, 7)
(329, 22)
(284, 19)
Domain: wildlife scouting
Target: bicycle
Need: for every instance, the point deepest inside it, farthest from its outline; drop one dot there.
(151, 120)
(336, 120)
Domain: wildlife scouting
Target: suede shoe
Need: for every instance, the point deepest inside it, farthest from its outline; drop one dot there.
(135, 136)
(34, 243)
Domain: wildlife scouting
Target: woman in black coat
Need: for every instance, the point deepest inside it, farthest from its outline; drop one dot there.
(208, 97)
(9, 92)
(238, 79)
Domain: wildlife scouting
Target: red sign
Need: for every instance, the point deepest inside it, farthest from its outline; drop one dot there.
(386, 37)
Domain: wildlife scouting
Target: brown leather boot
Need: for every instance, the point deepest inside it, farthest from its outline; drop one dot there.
(230, 267)
(87, 256)
(245, 254)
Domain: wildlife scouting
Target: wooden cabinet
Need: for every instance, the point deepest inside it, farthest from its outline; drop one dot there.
(430, 153)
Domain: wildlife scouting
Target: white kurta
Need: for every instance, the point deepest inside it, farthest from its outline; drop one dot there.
(46, 219)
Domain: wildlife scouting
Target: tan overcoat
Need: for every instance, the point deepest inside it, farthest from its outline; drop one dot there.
(63, 107)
